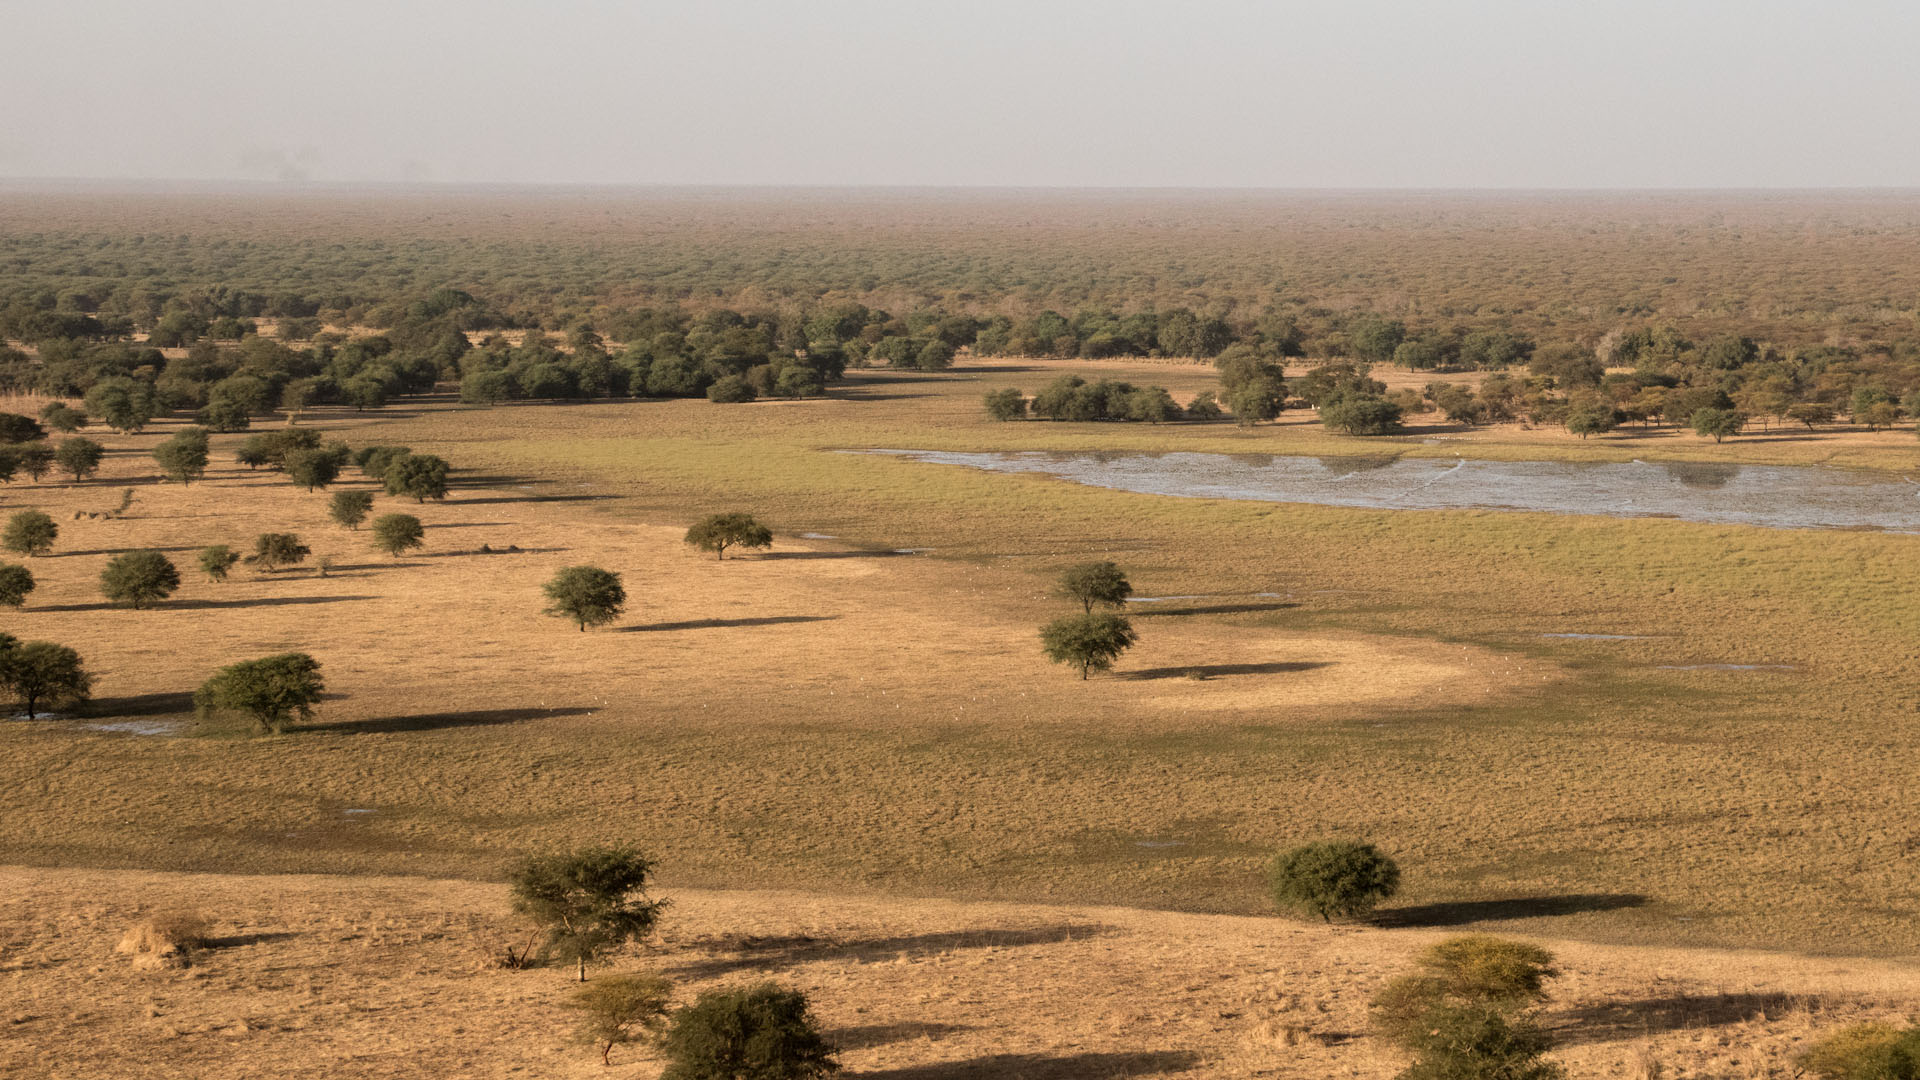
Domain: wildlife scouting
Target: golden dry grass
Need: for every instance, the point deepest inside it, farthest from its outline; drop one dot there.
(350, 977)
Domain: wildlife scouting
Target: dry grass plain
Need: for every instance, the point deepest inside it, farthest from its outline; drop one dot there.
(838, 717)
(365, 977)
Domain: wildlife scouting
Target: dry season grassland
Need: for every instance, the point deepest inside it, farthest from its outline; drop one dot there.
(835, 715)
(355, 977)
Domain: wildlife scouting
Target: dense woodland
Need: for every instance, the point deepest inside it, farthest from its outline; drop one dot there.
(1596, 311)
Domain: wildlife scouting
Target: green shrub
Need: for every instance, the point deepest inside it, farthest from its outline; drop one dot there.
(1865, 1052)
(139, 578)
(15, 583)
(215, 561)
(588, 902)
(30, 532)
(349, 508)
(1006, 404)
(1333, 879)
(763, 1032)
(722, 531)
(1088, 642)
(271, 691)
(587, 595)
(398, 533)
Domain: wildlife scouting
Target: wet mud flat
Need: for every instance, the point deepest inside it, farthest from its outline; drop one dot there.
(1774, 496)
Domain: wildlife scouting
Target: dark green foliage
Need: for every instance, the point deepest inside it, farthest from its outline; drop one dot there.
(349, 508)
(1811, 414)
(1466, 1043)
(617, 1009)
(1006, 404)
(1070, 397)
(396, 534)
(272, 447)
(731, 390)
(184, 456)
(124, 404)
(15, 428)
(41, 673)
(587, 595)
(722, 531)
(1468, 1013)
(374, 461)
(35, 459)
(9, 463)
(30, 532)
(1153, 405)
(1865, 1052)
(62, 417)
(139, 578)
(935, 355)
(1333, 879)
(1096, 583)
(1204, 407)
(1361, 414)
(272, 691)
(217, 560)
(1088, 642)
(1716, 423)
(79, 456)
(1593, 418)
(764, 1032)
(16, 582)
(417, 476)
(1260, 398)
(271, 551)
(589, 902)
(312, 469)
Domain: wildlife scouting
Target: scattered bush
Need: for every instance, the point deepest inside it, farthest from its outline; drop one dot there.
(215, 561)
(722, 531)
(417, 476)
(731, 390)
(1093, 583)
(36, 459)
(271, 551)
(139, 578)
(1716, 423)
(349, 508)
(1006, 404)
(764, 1032)
(1865, 1052)
(589, 902)
(1088, 642)
(396, 534)
(15, 428)
(311, 469)
(184, 456)
(79, 456)
(271, 691)
(62, 417)
(617, 1009)
(30, 532)
(374, 461)
(1469, 1011)
(1361, 414)
(1333, 879)
(15, 583)
(587, 595)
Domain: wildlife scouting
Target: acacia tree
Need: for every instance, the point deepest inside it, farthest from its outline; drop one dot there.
(271, 551)
(271, 691)
(215, 561)
(764, 1032)
(1088, 642)
(184, 456)
(417, 476)
(139, 578)
(621, 1009)
(349, 508)
(311, 469)
(1333, 878)
(587, 595)
(16, 582)
(1093, 583)
(30, 532)
(63, 418)
(42, 673)
(79, 456)
(722, 531)
(396, 534)
(588, 901)
(36, 459)
(1716, 423)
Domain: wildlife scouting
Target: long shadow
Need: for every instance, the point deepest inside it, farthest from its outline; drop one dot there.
(206, 605)
(236, 940)
(438, 721)
(335, 571)
(116, 551)
(763, 954)
(490, 551)
(1610, 1021)
(532, 498)
(715, 624)
(870, 1035)
(1212, 609)
(141, 705)
(1519, 907)
(467, 524)
(1091, 1065)
(886, 554)
(1278, 667)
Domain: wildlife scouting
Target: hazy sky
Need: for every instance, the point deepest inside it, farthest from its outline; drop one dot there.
(1332, 93)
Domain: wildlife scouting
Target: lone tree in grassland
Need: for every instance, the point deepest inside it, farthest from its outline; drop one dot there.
(397, 534)
(184, 456)
(1093, 583)
(312, 469)
(1333, 878)
(30, 532)
(618, 1009)
(139, 578)
(417, 476)
(349, 508)
(217, 560)
(1470, 1011)
(42, 673)
(272, 691)
(271, 551)
(587, 595)
(1088, 642)
(16, 582)
(589, 901)
(722, 531)
(79, 456)
(763, 1032)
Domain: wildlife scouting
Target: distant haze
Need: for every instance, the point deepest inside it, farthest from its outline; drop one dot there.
(1209, 93)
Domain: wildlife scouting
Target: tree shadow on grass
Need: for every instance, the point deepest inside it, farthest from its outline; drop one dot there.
(530, 499)
(1210, 609)
(205, 605)
(113, 551)
(1209, 671)
(765, 954)
(491, 550)
(882, 554)
(716, 624)
(871, 1035)
(141, 705)
(234, 941)
(1465, 912)
(1612, 1021)
(438, 721)
(1091, 1065)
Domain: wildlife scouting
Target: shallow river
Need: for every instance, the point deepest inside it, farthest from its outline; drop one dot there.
(1787, 497)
